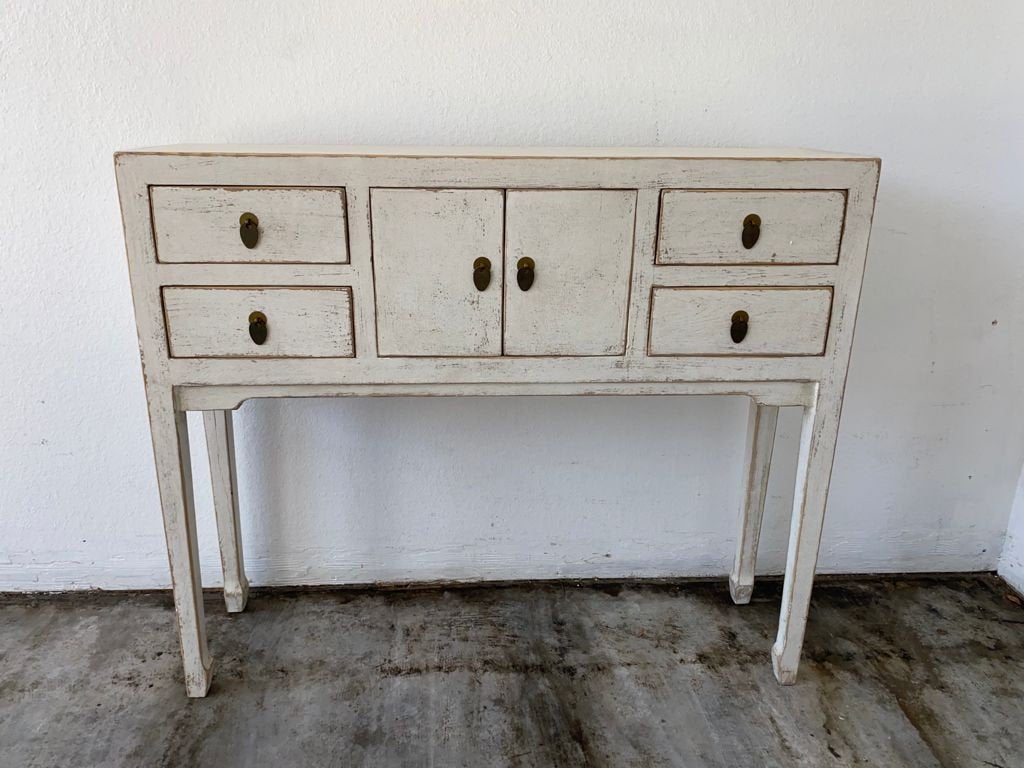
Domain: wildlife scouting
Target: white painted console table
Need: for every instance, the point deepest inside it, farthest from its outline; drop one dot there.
(305, 271)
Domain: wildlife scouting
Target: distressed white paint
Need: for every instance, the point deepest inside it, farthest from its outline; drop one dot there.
(761, 428)
(587, 233)
(220, 445)
(201, 224)
(706, 227)
(301, 322)
(581, 242)
(698, 321)
(932, 438)
(425, 246)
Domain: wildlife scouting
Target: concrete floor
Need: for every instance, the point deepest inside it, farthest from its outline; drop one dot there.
(904, 672)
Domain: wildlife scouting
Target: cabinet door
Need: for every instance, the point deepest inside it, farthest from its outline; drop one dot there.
(581, 244)
(425, 245)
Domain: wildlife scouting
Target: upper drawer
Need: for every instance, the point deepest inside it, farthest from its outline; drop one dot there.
(296, 322)
(739, 321)
(203, 224)
(793, 227)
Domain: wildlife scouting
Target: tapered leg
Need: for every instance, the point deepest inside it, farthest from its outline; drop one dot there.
(220, 444)
(760, 441)
(814, 470)
(174, 478)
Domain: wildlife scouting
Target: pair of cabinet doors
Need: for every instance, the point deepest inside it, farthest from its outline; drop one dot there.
(427, 243)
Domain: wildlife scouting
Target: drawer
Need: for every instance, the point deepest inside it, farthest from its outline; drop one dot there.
(699, 321)
(707, 226)
(202, 225)
(300, 322)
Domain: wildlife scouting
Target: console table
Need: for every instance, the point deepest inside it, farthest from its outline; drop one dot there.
(340, 271)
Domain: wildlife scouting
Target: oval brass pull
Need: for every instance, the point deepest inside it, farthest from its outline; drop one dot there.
(482, 273)
(525, 273)
(249, 229)
(258, 329)
(751, 230)
(740, 323)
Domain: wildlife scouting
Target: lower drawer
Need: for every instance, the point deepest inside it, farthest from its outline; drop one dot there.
(700, 321)
(296, 322)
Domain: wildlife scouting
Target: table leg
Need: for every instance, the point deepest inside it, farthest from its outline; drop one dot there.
(814, 469)
(760, 441)
(220, 444)
(174, 479)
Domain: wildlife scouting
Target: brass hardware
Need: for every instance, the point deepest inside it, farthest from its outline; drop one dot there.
(249, 230)
(524, 273)
(258, 329)
(482, 273)
(740, 323)
(751, 230)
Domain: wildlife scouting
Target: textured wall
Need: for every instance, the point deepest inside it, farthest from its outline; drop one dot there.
(932, 438)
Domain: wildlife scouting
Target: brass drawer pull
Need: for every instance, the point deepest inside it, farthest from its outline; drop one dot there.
(258, 329)
(525, 273)
(740, 323)
(249, 229)
(482, 273)
(751, 230)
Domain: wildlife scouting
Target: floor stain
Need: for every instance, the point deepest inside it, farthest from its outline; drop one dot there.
(896, 671)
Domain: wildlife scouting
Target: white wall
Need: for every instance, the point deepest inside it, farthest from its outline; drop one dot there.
(932, 438)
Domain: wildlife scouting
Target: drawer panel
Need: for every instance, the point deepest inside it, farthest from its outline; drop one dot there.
(706, 226)
(295, 225)
(300, 322)
(698, 321)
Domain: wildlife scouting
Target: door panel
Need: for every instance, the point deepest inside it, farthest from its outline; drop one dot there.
(425, 243)
(581, 244)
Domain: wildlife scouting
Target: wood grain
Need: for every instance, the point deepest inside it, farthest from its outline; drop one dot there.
(200, 224)
(761, 423)
(425, 242)
(582, 244)
(705, 227)
(220, 445)
(697, 321)
(302, 322)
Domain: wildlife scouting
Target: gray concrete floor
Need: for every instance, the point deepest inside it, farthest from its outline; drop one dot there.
(916, 672)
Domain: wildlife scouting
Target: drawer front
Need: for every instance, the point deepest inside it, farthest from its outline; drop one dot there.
(699, 321)
(707, 227)
(300, 322)
(202, 225)
(426, 246)
(581, 245)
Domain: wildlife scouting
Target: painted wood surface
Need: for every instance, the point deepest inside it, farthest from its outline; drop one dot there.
(581, 242)
(787, 302)
(301, 322)
(220, 445)
(201, 224)
(173, 461)
(315, 150)
(783, 321)
(581, 371)
(706, 227)
(425, 243)
(779, 393)
(761, 424)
